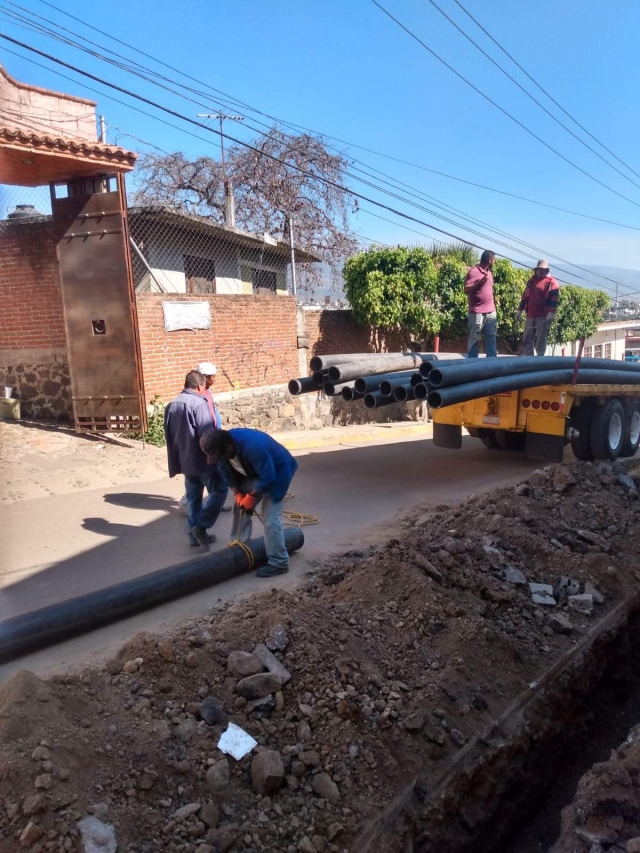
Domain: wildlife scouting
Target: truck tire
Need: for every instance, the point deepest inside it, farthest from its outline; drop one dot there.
(631, 440)
(607, 430)
(513, 441)
(581, 421)
(488, 438)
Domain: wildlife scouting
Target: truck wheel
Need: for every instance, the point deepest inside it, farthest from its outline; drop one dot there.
(607, 430)
(581, 421)
(510, 440)
(631, 440)
(488, 438)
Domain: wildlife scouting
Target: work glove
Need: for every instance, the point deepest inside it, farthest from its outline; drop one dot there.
(248, 503)
(239, 497)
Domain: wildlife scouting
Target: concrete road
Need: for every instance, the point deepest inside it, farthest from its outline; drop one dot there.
(60, 547)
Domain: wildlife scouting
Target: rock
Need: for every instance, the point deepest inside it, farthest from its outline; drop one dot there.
(131, 666)
(261, 708)
(278, 639)
(191, 660)
(428, 568)
(582, 603)
(34, 804)
(303, 731)
(257, 686)
(271, 662)
(44, 782)
(218, 776)
(292, 782)
(30, 834)
(267, 772)
(415, 721)
(186, 811)
(560, 624)
(114, 666)
(199, 637)
(324, 786)
(310, 758)
(457, 737)
(626, 482)
(307, 710)
(223, 838)
(145, 782)
(305, 845)
(633, 845)
(565, 586)
(162, 730)
(185, 730)
(563, 479)
(98, 837)
(165, 650)
(40, 753)
(593, 539)
(514, 576)
(334, 830)
(335, 576)
(212, 712)
(100, 810)
(319, 843)
(209, 814)
(590, 589)
(542, 593)
(243, 664)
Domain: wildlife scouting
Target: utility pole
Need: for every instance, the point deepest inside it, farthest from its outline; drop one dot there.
(292, 251)
(617, 300)
(229, 200)
(221, 117)
(103, 130)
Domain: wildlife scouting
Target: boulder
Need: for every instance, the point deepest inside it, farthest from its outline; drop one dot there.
(257, 686)
(243, 664)
(267, 772)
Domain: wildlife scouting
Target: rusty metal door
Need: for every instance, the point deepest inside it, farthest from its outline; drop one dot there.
(99, 306)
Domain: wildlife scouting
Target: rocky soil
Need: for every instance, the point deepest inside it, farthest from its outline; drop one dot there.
(379, 669)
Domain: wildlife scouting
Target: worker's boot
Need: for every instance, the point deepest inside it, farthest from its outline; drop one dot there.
(201, 537)
(270, 571)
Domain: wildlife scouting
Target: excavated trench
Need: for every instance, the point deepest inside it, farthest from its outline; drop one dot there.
(505, 790)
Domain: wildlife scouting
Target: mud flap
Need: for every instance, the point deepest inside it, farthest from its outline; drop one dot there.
(447, 435)
(549, 448)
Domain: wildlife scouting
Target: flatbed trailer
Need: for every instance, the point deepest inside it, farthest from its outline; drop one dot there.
(599, 421)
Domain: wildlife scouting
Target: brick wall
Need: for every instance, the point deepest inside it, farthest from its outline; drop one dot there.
(32, 336)
(252, 340)
(337, 332)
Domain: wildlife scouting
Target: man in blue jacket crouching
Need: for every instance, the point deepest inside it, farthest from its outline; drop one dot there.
(256, 468)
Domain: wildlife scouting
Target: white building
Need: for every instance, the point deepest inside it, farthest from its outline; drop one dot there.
(176, 252)
(607, 342)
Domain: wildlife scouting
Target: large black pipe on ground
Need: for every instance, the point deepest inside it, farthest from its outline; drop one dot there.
(375, 400)
(499, 385)
(331, 388)
(350, 394)
(302, 385)
(58, 622)
(404, 393)
(473, 370)
(373, 383)
(421, 391)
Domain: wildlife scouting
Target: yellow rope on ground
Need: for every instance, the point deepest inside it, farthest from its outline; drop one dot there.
(298, 519)
(247, 551)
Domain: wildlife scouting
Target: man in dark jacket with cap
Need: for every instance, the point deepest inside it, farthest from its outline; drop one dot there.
(256, 468)
(186, 419)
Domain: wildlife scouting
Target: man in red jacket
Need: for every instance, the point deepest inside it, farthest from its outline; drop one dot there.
(539, 303)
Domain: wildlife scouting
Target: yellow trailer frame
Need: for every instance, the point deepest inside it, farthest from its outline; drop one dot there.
(538, 420)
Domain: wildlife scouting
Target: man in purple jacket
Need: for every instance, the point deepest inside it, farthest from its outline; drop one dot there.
(481, 317)
(186, 419)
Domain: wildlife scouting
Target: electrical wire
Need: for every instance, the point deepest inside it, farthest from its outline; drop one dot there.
(542, 89)
(235, 102)
(259, 151)
(497, 105)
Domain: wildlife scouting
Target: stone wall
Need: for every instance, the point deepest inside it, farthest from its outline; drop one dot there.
(40, 379)
(273, 409)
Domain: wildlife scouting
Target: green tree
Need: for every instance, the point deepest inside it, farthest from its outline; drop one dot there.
(509, 283)
(580, 310)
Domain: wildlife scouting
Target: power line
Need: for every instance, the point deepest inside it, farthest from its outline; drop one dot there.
(498, 107)
(235, 101)
(262, 152)
(542, 89)
(529, 95)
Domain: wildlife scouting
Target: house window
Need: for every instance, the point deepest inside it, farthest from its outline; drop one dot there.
(597, 351)
(607, 351)
(573, 347)
(587, 352)
(264, 282)
(200, 274)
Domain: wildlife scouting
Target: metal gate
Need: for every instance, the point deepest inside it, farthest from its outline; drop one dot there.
(99, 305)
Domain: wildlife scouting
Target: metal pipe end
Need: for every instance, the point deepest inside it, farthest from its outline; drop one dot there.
(421, 391)
(316, 363)
(386, 388)
(319, 378)
(434, 399)
(370, 401)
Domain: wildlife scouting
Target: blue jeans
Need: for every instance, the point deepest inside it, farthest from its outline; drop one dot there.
(271, 512)
(205, 513)
(482, 324)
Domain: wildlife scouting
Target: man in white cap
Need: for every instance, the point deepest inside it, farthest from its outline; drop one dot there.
(539, 304)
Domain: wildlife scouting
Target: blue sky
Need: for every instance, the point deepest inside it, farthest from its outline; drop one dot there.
(345, 69)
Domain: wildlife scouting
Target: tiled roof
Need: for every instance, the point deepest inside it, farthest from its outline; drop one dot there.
(51, 144)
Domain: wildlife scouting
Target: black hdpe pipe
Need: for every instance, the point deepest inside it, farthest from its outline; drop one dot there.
(427, 366)
(445, 375)
(417, 379)
(303, 385)
(373, 383)
(374, 364)
(349, 394)
(499, 385)
(421, 391)
(375, 400)
(404, 393)
(319, 377)
(58, 622)
(330, 388)
(324, 362)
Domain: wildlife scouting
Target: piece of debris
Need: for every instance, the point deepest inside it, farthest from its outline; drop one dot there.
(541, 593)
(97, 837)
(236, 742)
(271, 662)
(582, 603)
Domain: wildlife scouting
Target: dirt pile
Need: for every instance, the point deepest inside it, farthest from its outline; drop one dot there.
(377, 671)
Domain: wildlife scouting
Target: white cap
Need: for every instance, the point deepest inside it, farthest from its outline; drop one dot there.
(207, 369)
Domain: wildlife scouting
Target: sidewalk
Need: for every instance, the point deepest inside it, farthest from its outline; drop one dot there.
(351, 435)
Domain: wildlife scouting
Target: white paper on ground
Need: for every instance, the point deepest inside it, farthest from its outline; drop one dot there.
(236, 742)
